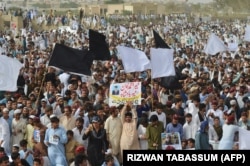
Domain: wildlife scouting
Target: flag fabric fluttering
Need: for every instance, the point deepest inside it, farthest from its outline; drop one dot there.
(9, 71)
(98, 46)
(162, 62)
(214, 45)
(159, 42)
(247, 33)
(133, 60)
(71, 60)
(169, 82)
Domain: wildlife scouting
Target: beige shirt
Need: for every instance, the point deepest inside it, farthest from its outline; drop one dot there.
(113, 127)
(67, 123)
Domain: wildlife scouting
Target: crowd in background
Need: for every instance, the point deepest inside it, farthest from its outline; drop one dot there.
(58, 118)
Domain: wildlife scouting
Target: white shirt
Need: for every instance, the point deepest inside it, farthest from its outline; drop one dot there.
(212, 134)
(189, 130)
(218, 113)
(5, 135)
(163, 98)
(192, 109)
(45, 120)
(78, 137)
(197, 120)
(142, 133)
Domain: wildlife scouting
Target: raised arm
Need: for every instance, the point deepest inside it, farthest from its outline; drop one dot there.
(124, 108)
(134, 115)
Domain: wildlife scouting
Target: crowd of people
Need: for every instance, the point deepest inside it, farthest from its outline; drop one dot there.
(59, 118)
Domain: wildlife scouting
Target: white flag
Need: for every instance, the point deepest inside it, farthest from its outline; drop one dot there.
(247, 34)
(9, 71)
(232, 46)
(133, 60)
(123, 29)
(244, 135)
(214, 45)
(162, 62)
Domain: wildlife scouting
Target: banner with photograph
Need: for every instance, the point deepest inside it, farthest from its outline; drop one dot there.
(171, 139)
(121, 93)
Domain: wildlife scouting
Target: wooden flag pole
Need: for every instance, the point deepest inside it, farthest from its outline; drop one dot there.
(45, 72)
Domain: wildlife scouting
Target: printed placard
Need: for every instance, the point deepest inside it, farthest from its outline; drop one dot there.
(171, 139)
(37, 137)
(121, 93)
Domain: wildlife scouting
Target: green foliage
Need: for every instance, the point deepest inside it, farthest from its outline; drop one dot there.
(126, 12)
(114, 1)
(41, 5)
(15, 8)
(69, 5)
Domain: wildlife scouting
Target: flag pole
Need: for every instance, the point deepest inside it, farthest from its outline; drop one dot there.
(152, 98)
(45, 72)
(152, 91)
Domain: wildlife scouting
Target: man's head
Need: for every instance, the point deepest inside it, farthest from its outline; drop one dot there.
(15, 156)
(54, 122)
(15, 148)
(67, 111)
(244, 116)
(202, 109)
(5, 113)
(4, 161)
(214, 104)
(79, 122)
(81, 160)
(114, 111)
(188, 117)
(70, 134)
(109, 160)
(154, 120)
(191, 143)
(48, 110)
(159, 108)
(17, 113)
(216, 120)
(128, 116)
(175, 119)
(23, 144)
(37, 162)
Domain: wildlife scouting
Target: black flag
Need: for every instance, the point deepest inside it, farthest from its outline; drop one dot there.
(98, 46)
(172, 82)
(71, 60)
(159, 42)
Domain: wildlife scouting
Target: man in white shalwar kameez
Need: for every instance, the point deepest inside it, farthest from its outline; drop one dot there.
(228, 135)
(4, 135)
(189, 128)
(113, 127)
(18, 127)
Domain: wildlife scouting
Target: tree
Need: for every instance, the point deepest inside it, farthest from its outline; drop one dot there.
(114, 1)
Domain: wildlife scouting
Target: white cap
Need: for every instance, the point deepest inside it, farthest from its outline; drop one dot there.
(16, 145)
(232, 102)
(5, 110)
(17, 111)
(109, 151)
(59, 98)
(32, 116)
(43, 99)
(52, 116)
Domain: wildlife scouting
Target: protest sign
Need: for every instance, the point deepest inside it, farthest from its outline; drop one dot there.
(121, 93)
